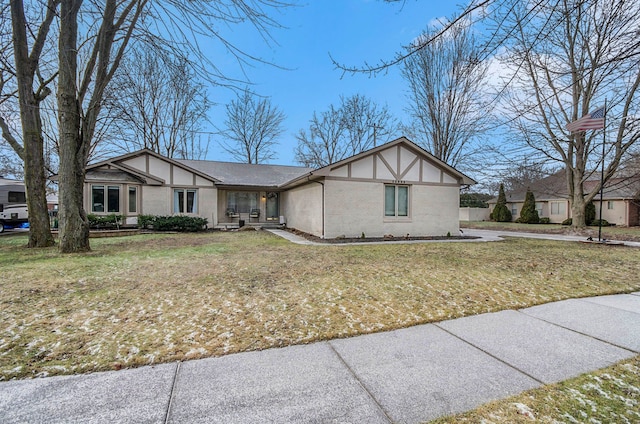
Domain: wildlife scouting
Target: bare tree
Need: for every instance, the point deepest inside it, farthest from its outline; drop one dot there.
(28, 42)
(567, 60)
(446, 96)
(10, 164)
(158, 104)
(356, 125)
(324, 143)
(365, 123)
(252, 127)
(106, 30)
(474, 7)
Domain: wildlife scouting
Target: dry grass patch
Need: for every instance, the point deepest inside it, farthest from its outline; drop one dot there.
(157, 298)
(610, 395)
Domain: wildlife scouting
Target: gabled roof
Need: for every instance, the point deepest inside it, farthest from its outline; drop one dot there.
(116, 162)
(267, 176)
(244, 174)
(465, 180)
(554, 187)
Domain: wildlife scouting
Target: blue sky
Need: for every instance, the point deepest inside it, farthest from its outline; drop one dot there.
(354, 32)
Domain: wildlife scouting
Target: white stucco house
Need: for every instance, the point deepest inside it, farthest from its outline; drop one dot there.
(397, 188)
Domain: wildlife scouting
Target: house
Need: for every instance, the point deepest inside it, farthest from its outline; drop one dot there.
(621, 196)
(396, 188)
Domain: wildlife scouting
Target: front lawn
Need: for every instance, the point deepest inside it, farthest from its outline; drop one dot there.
(164, 297)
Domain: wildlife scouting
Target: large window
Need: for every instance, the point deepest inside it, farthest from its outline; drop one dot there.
(557, 208)
(105, 198)
(185, 200)
(242, 201)
(396, 201)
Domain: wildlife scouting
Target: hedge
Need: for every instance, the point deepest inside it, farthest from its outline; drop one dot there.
(181, 223)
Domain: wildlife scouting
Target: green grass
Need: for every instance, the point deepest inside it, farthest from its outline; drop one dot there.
(610, 395)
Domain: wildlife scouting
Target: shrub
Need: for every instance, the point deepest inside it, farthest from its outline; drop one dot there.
(545, 220)
(567, 221)
(145, 221)
(529, 214)
(589, 213)
(104, 221)
(501, 213)
(180, 223)
(596, 223)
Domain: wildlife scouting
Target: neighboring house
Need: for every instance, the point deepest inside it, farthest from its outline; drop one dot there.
(397, 188)
(621, 199)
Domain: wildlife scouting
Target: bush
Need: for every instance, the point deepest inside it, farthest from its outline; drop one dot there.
(596, 223)
(501, 213)
(529, 214)
(104, 221)
(145, 221)
(567, 221)
(589, 213)
(180, 223)
(545, 220)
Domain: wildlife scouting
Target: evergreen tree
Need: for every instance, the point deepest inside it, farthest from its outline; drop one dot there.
(589, 213)
(501, 213)
(529, 214)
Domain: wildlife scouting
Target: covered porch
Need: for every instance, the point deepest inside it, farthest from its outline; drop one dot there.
(248, 207)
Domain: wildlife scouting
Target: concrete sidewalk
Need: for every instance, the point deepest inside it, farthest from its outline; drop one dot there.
(480, 236)
(408, 376)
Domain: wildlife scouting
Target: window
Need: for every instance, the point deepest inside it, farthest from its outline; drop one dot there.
(557, 208)
(97, 198)
(105, 199)
(610, 205)
(133, 199)
(396, 201)
(539, 208)
(245, 201)
(185, 201)
(17, 197)
(113, 199)
(514, 211)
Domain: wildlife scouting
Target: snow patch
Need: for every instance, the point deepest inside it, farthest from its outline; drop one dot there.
(524, 410)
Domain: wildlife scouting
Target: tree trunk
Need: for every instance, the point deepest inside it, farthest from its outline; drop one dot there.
(578, 205)
(35, 180)
(74, 227)
(33, 144)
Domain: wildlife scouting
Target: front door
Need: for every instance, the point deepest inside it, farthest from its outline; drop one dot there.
(273, 209)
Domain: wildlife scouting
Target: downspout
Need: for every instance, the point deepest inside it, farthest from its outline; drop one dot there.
(322, 184)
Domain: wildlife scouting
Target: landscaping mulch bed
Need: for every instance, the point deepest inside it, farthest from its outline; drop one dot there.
(344, 240)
